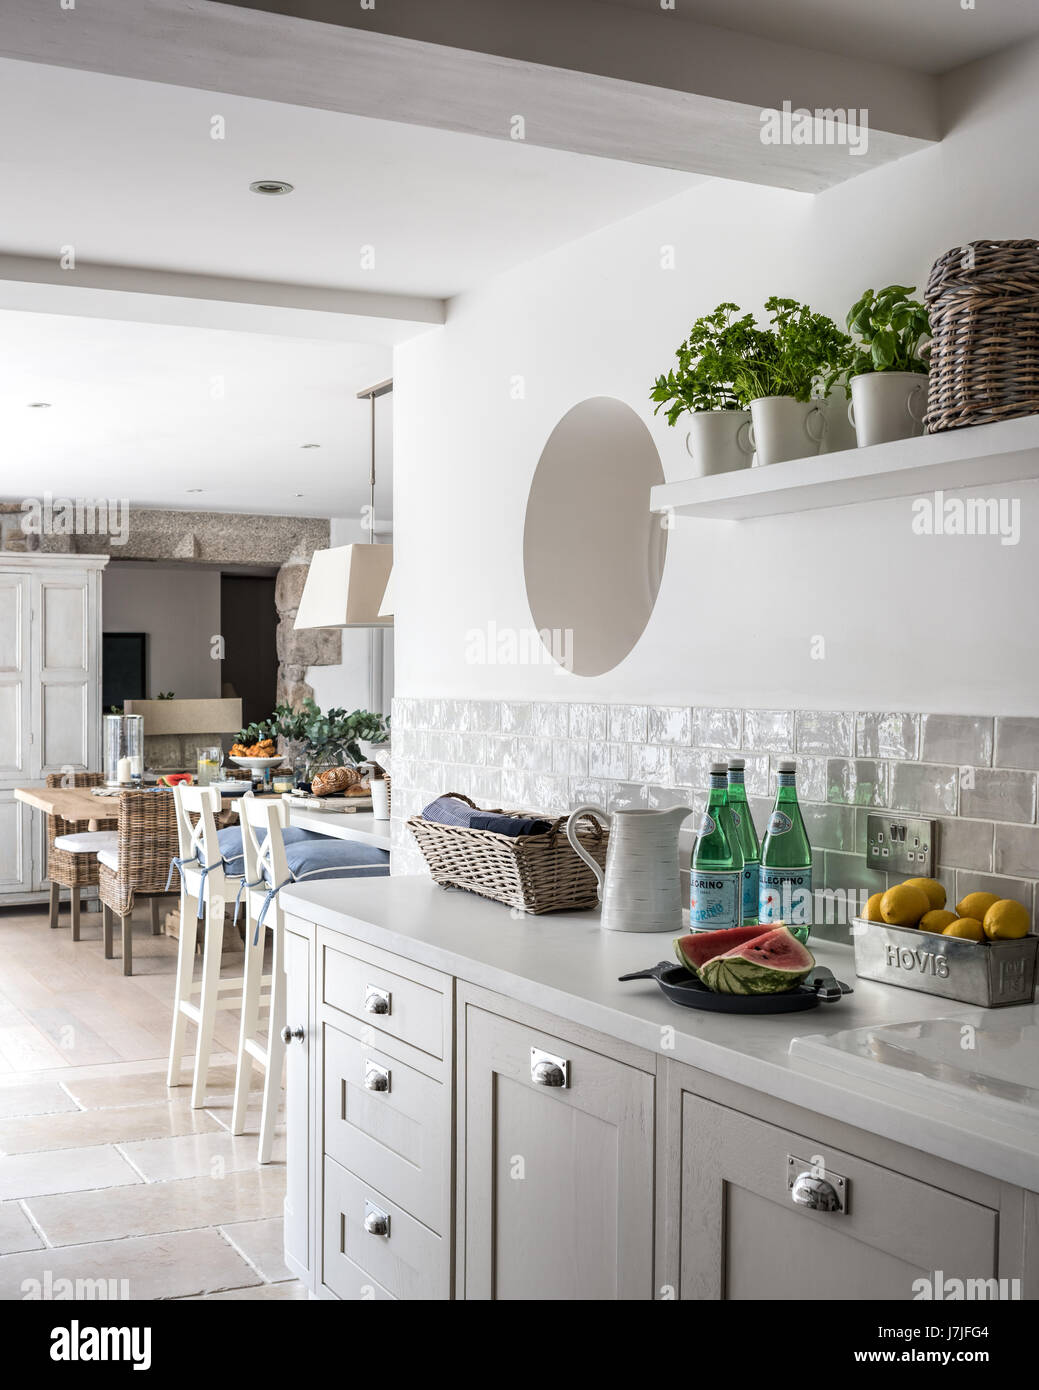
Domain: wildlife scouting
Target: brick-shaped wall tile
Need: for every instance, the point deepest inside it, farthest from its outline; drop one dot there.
(549, 720)
(670, 724)
(956, 738)
(999, 794)
(717, 728)
(886, 735)
(1001, 884)
(966, 844)
(608, 761)
(857, 781)
(928, 789)
(588, 721)
(1017, 742)
(1017, 851)
(628, 723)
(830, 827)
(768, 730)
(485, 716)
(651, 762)
(824, 731)
(516, 718)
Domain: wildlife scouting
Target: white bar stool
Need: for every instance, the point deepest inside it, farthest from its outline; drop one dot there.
(202, 882)
(267, 1053)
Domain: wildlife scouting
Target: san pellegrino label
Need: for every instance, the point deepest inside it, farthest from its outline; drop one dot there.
(716, 871)
(747, 836)
(785, 880)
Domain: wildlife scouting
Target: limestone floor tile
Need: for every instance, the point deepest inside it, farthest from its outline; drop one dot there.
(293, 1291)
(192, 1155)
(36, 1098)
(16, 1230)
(163, 1120)
(65, 1170)
(263, 1244)
(137, 1088)
(152, 1208)
(166, 1266)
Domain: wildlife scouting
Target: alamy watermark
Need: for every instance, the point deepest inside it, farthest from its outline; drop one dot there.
(77, 516)
(939, 515)
(830, 125)
(492, 645)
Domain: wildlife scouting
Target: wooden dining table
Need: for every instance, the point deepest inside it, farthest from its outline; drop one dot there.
(71, 804)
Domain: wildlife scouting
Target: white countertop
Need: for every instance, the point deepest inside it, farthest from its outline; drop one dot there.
(567, 965)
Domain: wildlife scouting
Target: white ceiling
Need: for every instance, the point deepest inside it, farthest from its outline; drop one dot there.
(126, 172)
(930, 36)
(146, 412)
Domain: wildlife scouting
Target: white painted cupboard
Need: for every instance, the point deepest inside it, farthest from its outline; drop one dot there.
(447, 1141)
(50, 697)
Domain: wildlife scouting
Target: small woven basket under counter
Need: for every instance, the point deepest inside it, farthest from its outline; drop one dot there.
(983, 303)
(534, 873)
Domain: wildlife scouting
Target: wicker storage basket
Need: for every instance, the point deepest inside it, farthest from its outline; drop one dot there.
(983, 301)
(535, 873)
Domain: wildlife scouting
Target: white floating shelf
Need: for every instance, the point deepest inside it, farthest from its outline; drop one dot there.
(978, 455)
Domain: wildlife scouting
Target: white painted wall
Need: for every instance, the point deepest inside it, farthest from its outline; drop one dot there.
(930, 623)
(179, 608)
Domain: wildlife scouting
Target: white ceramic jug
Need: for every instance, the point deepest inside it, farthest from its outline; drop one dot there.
(641, 889)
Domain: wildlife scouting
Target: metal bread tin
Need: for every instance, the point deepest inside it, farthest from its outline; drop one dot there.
(992, 973)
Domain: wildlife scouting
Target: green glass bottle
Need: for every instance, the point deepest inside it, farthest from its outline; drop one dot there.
(748, 840)
(785, 882)
(716, 871)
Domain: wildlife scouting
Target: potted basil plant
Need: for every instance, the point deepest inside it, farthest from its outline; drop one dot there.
(791, 368)
(888, 371)
(700, 386)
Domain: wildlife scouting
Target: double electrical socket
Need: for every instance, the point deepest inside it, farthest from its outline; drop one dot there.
(901, 844)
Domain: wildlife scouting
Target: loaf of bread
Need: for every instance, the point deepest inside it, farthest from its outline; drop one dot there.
(336, 779)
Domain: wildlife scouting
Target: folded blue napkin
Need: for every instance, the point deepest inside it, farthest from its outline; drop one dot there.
(448, 810)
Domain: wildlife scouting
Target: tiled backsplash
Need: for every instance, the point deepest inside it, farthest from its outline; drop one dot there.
(976, 775)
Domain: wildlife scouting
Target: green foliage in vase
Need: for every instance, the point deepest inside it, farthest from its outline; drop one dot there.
(707, 361)
(891, 329)
(802, 354)
(329, 739)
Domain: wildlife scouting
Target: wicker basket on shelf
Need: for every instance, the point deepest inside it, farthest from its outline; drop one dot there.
(535, 873)
(983, 302)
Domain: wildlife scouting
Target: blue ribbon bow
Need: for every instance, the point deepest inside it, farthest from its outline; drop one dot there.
(206, 869)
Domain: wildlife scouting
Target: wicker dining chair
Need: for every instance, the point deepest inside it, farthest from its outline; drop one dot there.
(139, 866)
(75, 868)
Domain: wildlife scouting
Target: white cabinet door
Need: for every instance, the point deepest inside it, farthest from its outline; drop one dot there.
(16, 751)
(559, 1179)
(299, 1108)
(67, 667)
(16, 867)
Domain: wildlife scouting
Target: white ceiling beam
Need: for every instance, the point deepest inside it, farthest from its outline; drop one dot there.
(137, 295)
(595, 79)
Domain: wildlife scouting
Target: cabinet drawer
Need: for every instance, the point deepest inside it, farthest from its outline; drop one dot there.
(741, 1227)
(397, 1137)
(370, 987)
(410, 1262)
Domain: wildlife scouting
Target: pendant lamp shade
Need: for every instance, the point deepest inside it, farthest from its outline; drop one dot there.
(386, 607)
(345, 587)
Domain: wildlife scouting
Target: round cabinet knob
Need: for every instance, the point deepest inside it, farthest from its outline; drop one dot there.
(287, 1034)
(548, 1074)
(377, 1223)
(815, 1193)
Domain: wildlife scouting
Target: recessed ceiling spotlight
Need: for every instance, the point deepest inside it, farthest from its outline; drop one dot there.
(310, 446)
(299, 494)
(193, 489)
(272, 188)
(39, 405)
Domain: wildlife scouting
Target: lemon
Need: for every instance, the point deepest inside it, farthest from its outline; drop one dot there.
(967, 927)
(1006, 920)
(934, 890)
(904, 905)
(871, 911)
(976, 905)
(936, 920)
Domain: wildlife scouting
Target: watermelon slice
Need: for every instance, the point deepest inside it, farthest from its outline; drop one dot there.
(699, 947)
(173, 779)
(771, 964)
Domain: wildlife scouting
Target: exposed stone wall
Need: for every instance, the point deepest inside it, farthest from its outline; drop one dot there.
(207, 538)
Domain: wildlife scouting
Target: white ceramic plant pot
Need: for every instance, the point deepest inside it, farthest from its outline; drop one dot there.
(380, 798)
(718, 441)
(783, 428)
(886, 406)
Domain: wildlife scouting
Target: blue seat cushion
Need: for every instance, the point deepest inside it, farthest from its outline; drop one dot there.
(230, 842)
(327, 857)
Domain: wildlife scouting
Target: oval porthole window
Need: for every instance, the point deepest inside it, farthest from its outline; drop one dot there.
(593, 553)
